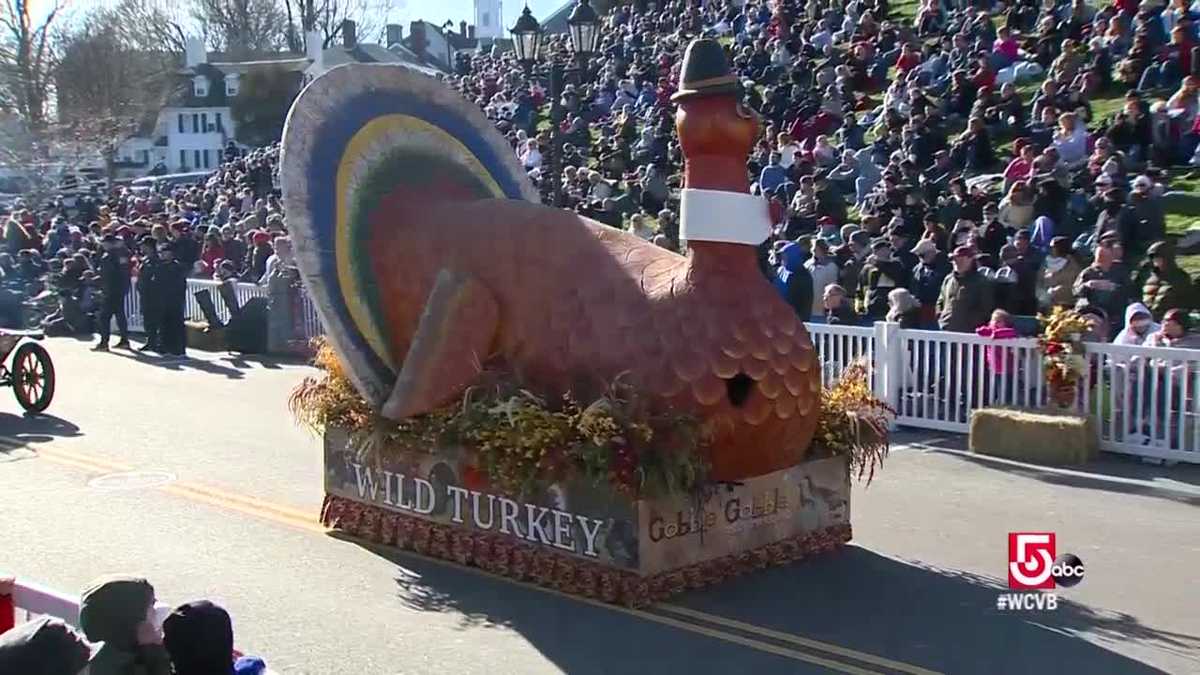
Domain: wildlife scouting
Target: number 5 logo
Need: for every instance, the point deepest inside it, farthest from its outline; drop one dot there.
(1030, 560)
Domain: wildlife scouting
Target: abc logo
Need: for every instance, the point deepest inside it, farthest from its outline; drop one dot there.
(1067, 570)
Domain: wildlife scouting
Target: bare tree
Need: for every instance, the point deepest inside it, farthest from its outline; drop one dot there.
(107, 86)
(241, 26)
(26, 61)
(326, 17)
(149, 25)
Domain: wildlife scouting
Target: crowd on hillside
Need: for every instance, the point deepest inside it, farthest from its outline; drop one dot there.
(927, 170)
(71, 267)
(120, 633)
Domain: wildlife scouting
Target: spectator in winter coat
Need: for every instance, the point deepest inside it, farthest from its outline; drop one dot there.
(838, 310)
(44, 646)
(1149, 222)
(1104, 283)
(928, 275)
(1139, 325)
(199, 637)
(259, 254)
(824, 272)
(793, 281)
(119, 611)
(1164, 285)
(1174, 332)
(904, 309)
(999, 327)
(1056, 278)
(966, 299)
(881, 273)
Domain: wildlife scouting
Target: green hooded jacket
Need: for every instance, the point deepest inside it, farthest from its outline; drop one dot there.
(110, 611)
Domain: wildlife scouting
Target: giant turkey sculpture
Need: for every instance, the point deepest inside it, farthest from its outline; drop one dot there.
(418, 235)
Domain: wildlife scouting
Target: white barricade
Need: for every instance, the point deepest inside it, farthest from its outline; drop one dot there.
(311, 323)
(1144, 401)
(31, 600)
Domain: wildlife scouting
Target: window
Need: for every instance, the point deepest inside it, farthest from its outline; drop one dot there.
(195, 123)
(220, 125)
(486, 20)
(231, 87)
(204, 122)
(196, 156)
(206, 159)
(145, 157)
(183, 160)
(181, 129)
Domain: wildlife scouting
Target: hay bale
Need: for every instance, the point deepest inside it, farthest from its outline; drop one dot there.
(1043, 437)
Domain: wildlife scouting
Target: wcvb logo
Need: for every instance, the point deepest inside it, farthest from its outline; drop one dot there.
(1032, 564)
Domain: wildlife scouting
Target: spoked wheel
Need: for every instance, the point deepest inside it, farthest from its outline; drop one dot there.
(33, 377)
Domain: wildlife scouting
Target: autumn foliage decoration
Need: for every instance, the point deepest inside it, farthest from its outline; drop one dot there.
(854, 423)
(1061, 344)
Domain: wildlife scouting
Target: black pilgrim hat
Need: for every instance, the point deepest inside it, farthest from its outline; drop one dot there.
(705, 71)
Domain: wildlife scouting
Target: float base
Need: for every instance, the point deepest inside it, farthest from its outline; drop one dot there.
(580, 538)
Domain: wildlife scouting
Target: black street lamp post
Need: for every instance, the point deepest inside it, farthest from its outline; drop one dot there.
(583, 27)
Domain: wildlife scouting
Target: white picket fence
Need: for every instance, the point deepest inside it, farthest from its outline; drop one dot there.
(1145, 401)
(243, 291)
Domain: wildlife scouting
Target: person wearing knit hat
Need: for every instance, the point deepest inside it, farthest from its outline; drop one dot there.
(45, 646)
(119, 611)
(199, 638)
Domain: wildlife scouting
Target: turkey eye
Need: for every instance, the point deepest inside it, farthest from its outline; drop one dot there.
(737, 389)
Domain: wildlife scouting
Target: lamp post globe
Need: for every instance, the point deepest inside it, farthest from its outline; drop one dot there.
(584, 26)
(527, 39)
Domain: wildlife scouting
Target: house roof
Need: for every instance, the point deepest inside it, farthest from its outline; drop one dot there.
(359, 53)
(295, 64)
(215, 71)
(372, 53)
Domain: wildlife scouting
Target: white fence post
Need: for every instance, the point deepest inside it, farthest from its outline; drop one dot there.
(888, 362)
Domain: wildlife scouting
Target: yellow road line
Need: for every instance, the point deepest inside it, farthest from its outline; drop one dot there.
(752, 643)
(296, 518)
(210, 492)
(795, 639)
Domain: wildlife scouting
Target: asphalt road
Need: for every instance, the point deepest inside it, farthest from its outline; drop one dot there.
(224, 506)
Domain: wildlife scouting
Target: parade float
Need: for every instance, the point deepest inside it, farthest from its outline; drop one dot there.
(515, 387)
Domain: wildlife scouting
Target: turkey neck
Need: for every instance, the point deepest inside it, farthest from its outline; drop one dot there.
(714, 260)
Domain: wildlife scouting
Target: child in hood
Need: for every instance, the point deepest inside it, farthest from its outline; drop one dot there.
(1139, 325)
(999, 328)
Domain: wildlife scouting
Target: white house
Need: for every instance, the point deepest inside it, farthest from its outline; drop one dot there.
(191, 132)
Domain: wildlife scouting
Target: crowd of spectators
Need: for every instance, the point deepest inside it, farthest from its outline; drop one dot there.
(69, 267)
(121, 633)
(928, 168)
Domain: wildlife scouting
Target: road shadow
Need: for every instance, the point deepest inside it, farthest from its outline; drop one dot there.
(1157, 480)
(909, 612)
(937, 618)
(182, 363)
(577, 637)
(1089, 476)
(36, 428)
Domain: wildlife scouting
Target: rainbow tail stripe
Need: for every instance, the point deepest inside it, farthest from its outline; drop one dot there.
(353, 137)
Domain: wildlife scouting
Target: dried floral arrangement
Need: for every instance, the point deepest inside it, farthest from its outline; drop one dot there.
(854, 423)
(524, 442)
(520, 440)
(1061, 344)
